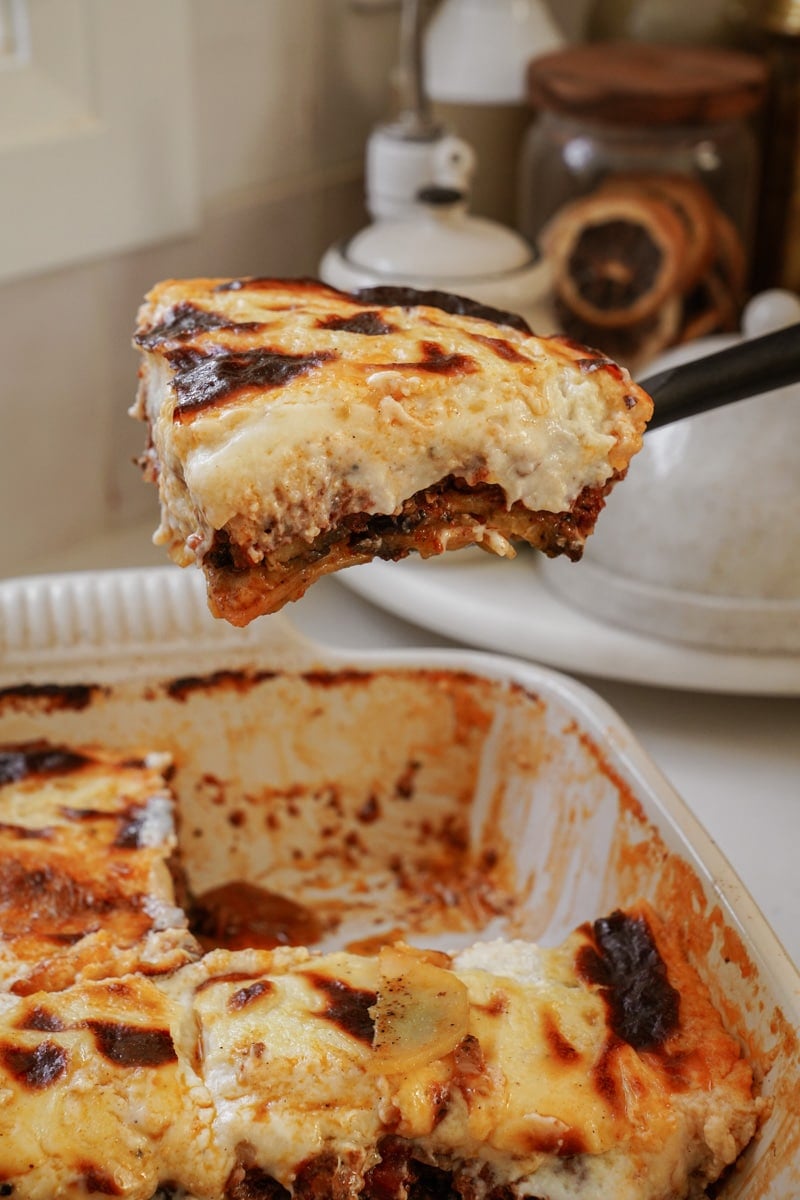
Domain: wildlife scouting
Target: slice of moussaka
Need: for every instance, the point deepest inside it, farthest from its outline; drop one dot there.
(295, 430)
(85, 886)
(597, 1070)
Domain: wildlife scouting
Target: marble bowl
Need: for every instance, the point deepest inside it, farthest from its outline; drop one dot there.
(701, 542)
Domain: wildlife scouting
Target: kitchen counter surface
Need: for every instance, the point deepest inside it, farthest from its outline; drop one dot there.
(735, 760)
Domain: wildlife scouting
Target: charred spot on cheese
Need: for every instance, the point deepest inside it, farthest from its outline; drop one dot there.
(238, 915)
(42, 1020)
(184, 321)
(563, 1143)
(605, 1079)
(35, 1068)
(245, 996)
(343, 410)
(132, 827)
(266, 283)
(560, 1047)
(598, 363)
(71, 813)
(133, 1045)
(497, 1005)
(48, 898)
(625, 965)
(435, 358)
(501, 347)
(347, 1007)
(406, 780)
(459, 306)
(37, 759)
(347, 677)
(131, 821)
(369, 323)
(369, 811)
(225, 977)
(204, 381)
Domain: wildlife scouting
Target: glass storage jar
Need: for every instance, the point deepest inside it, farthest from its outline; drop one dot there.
(638, 182)
(777, 242)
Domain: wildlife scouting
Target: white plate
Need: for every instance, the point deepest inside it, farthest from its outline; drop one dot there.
(507, 607)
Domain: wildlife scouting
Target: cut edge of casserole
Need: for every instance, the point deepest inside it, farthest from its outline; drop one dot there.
(295, 430)
(599, 1067)
(87, 839)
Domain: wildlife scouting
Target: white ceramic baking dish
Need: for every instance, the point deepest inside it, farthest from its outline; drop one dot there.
(451, 795)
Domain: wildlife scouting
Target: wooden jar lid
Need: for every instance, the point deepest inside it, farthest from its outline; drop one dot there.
(637, 83)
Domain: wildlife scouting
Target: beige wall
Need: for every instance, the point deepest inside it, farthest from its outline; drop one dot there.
(284, 94)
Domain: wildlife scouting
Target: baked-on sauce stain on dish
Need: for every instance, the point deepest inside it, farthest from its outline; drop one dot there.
(181, 689)
(49, 697)
(238, 915)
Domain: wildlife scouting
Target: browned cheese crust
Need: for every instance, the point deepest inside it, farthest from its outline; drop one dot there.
(502, 1071)
(296, 430)
(86, 890)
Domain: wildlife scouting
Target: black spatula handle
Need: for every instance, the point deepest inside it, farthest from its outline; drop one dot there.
(747, 369)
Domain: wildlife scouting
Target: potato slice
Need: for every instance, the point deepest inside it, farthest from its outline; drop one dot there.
(422, 1012)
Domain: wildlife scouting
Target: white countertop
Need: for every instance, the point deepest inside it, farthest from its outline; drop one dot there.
(735, 760)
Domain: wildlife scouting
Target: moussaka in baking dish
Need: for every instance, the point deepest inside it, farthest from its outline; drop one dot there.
(592, 1070)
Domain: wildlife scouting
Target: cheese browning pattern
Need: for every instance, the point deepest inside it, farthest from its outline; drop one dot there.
(138, 1065)
(284, 416)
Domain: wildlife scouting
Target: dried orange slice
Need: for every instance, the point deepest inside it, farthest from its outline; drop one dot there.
(616, 256)
(691, 203)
